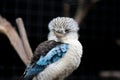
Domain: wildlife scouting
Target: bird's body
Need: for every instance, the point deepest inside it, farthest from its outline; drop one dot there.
(66, 65)
(46, 53)
(63, 31)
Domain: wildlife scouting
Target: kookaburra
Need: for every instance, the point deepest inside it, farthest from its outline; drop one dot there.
(60, 55)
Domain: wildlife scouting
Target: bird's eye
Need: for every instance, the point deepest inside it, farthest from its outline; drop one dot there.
(67, 30)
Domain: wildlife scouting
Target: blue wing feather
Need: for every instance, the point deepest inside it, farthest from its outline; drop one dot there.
(52, 56)
(32, 71)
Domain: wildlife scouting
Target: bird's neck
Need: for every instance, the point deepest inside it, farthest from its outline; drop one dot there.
(70, 37)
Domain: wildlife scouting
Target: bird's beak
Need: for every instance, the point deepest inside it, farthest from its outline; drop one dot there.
(59, 35)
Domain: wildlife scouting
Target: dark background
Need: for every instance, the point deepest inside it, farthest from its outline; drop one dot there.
(98, 34)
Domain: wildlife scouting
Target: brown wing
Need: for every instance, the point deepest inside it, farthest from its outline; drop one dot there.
(43, 48)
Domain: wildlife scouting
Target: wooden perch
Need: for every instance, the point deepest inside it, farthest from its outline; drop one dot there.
(7, 29)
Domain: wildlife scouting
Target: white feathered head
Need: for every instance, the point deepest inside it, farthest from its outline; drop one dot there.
(63, 27)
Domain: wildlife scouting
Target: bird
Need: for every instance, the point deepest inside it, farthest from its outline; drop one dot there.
(60, 55)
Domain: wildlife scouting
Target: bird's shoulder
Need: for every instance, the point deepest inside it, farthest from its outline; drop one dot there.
(43, 48)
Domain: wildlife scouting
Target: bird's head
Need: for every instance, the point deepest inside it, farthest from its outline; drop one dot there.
(64, 27)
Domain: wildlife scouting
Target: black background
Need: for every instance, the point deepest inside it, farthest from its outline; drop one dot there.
(98, 34)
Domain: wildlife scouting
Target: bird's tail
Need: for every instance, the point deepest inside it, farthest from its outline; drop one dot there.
(23, 77)
(26, 77)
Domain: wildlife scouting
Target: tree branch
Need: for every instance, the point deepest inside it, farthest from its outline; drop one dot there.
(7, 29)
(83, 8)
(24, 38)
(66, 9)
